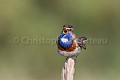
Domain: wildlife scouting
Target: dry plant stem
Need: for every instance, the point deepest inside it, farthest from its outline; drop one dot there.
(68, 69)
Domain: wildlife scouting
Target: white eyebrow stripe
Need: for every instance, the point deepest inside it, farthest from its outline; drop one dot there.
(68, 28)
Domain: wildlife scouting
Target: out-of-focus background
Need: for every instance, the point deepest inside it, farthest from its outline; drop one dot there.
(28, 29)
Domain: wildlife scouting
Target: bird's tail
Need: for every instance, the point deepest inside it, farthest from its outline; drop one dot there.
(81, 42)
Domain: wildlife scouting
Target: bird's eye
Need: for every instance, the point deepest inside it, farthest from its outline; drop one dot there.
(70, 29)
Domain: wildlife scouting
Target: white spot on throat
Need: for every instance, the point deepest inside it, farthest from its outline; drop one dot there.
(64, 40)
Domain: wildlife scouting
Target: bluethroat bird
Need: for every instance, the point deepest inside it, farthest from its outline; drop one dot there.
(68, 44)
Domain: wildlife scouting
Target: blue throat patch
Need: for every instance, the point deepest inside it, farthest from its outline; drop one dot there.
(66, 44)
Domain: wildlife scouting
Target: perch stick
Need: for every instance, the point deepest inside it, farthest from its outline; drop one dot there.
(68, 69)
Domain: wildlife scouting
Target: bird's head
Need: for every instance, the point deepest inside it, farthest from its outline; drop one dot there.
(67, 29)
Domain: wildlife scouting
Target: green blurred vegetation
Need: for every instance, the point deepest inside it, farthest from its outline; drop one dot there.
(44, 19)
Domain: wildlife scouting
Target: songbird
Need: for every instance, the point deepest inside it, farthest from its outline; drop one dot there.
(68, 44)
